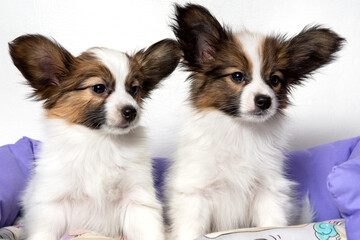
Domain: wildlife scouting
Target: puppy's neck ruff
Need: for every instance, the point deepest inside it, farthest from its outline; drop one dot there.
(68, 142)
(234, 135)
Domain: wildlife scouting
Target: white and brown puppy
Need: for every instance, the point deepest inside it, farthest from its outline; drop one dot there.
(94, 171)
(228, 169)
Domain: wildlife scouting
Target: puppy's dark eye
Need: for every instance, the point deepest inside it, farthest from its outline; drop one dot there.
(134, 90)
(134, 87)
(274, 80)
(237, 77)
(99, 88)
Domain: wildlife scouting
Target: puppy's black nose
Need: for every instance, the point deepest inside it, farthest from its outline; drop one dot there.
(128, 113)
(262, 101)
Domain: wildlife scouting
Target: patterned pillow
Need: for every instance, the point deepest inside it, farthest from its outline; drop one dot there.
(328, 230)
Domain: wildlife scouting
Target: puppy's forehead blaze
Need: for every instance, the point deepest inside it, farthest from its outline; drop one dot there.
(77, 103)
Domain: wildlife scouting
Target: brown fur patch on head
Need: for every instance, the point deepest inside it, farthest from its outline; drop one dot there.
(212, 53)
(295, 59)
(135, 78)
(210, 50)
(222, 94)
(76, 88)
(63, 81)
(213, 87)
(77, 102)
(274, 62)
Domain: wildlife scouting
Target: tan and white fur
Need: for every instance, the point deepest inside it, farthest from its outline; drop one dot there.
(94, 170)
(228, 170)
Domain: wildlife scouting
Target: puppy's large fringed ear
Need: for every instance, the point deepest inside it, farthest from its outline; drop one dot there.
(311, 49)
(156, 63)
(42, 62)
(199, 34)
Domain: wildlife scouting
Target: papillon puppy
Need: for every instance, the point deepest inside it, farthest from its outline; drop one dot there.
(228, 170)
(94, 171)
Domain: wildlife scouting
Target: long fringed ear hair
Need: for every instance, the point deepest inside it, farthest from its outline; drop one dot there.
(44, 63)
(309, 50)
(157, 62)
(198, 34)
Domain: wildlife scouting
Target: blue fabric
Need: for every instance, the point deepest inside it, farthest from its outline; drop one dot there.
(311, 167)
(329, 173)
(16, 162)
(160, 167)
(344, 186)
(332, 196)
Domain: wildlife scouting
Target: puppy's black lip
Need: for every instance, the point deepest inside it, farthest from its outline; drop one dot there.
(122, 126)
(260, 113)
(257, 113)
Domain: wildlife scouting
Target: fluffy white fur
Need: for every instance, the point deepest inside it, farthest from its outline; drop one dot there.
(228, 170)
(93, 181)
(94, 171)
(227, 173)
(98, 180)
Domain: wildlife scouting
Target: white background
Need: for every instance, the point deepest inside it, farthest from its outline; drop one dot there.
(327, 108)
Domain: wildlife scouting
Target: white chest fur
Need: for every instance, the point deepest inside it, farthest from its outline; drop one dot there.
(89, 180)
(229, 169)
